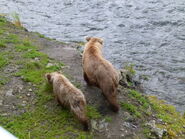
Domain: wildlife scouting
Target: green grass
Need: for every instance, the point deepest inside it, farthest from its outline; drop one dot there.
(2, 21)
(12, 38)
(44, 123)
(3, 60)
(130, 69)
(41, 36)
(141, 99)
(39, 120)
(131, 108)
(3, 80)
(173, 119)
(25, 46)
(1, 31)
(2, 44)
(108, 119)
(92, 112)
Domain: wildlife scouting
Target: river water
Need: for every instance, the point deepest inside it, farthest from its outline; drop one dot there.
(148, 33)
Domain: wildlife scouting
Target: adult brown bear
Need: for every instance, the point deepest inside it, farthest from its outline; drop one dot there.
(68, 95)
(99, 72)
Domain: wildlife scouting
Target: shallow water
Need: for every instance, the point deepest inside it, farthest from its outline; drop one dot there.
(147, 33)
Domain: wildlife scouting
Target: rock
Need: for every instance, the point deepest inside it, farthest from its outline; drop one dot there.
(122, 135)
(149, 110)
(121, 129)
(30, 90)
(103, 125)
(36, 59)
(28, 95)
(23, 105)
(49, 65)
(1, 102)
(127, 124)
(99, 126)
(9, 92)
(108, 136)
(151, 124)
(94, 125)
(128, 117)
(123, 78)
(19, 88)
(24, 102)
(157, 131)
(134, 126)
(4, 114)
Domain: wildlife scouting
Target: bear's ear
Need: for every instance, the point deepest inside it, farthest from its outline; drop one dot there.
(100, 41)
(88, 38)
(48, 77)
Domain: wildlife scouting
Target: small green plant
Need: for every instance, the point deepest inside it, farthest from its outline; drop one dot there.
(11, 38)
(92, 112)
(3, 80)
(2, 21)
(131, 108)
(41, 36)
(108, 119)
(33, 54)
(2, 44)
(16, 20)
(141, 99)
(130, 69)
(3, 60)
(25, 46)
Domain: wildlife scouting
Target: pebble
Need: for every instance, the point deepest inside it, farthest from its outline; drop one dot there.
(121, 129)
(23, 105)
(20, 87)
(122, 135)
(94, 124)
(126, 124)
(158, 131)
(9, 92)
(24, 101)
(49, 65)
(36, 59)
(28, 94)
(30, 90)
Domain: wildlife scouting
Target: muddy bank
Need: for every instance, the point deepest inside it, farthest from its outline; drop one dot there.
(28, 109)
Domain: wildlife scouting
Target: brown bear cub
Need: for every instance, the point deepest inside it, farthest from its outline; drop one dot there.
(99, 72)
(68, 95)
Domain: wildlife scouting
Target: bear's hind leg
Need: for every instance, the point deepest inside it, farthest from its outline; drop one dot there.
(86, 79)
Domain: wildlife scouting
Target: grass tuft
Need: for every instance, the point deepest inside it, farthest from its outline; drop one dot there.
(2, 44)
(131, 108)
(174, 121)
(3, 60)
(92, 113)
(16, 20)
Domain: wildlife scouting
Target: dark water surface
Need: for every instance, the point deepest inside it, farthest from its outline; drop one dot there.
(147, 33)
